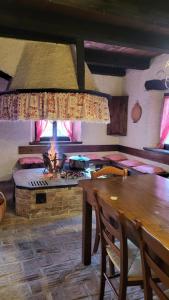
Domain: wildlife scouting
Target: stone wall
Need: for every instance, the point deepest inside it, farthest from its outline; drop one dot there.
(59, 201)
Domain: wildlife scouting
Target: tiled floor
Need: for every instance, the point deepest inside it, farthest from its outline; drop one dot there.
(41, 259)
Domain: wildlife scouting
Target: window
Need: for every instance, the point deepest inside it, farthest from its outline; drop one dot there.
(58, 130)
(164, 131)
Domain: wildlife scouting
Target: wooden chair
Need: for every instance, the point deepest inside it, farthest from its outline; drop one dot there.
(108, 170)
(2, 205)
(155, 262)
(124, 255)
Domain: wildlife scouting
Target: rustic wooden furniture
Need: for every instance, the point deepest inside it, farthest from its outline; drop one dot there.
(2, 205)
(109, 170)
(155, 262)
(118, 106)
(124, 255)
(144, 197)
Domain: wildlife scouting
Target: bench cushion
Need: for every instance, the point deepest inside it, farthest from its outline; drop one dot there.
(30, 160)
(149, 169)
(131, 163)
(93, 156)
(115, 157)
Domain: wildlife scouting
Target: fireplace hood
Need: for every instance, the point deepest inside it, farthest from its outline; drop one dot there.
(46, 86)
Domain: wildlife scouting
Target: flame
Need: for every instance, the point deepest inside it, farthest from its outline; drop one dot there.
(52, 151)
(52, 154)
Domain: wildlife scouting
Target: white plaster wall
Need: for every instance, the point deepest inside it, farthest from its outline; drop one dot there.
(12, 134)
(95, 134)
(112, 85)
(146, 132)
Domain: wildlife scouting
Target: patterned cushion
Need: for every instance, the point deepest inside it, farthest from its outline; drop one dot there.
(115, 157)
(134, 260)
(30, 160)
(149, 169)
(131, 163)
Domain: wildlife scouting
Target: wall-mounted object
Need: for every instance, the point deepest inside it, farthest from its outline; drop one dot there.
(136, 112)
(156, 85)
(118, 106)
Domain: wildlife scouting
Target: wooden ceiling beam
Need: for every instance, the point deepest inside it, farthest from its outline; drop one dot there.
(80, 64)
(106, 58)
(48, 21)
(5, 76)
(107, 70)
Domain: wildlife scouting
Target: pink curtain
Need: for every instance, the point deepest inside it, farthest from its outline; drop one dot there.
(40, 127)
(165, 122)
(68, 125)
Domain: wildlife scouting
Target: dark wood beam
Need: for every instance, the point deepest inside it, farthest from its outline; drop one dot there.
(156, 85)
(107, 58)
(151, 155)
(34, 149)
(107, 70)
(50, 21)
(5, 76)
(80, 64)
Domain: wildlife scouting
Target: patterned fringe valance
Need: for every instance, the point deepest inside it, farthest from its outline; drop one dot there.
(54, 106)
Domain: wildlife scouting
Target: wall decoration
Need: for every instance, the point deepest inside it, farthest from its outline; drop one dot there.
(136, 112)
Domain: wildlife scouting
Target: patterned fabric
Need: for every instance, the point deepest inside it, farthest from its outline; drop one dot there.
(54, 106)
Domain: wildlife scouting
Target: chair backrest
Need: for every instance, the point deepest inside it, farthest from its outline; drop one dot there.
(109, 170)
(111, 228)
(155, 262)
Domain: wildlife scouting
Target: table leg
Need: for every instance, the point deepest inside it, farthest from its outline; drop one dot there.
(86, 230)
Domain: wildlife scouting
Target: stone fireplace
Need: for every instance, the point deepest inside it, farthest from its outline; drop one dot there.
(38, 195)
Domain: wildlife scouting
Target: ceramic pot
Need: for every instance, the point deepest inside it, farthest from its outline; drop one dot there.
(78, 162)
(136, 112)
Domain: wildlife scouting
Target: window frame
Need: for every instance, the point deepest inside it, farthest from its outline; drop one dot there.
(59, 139)
(54, 136)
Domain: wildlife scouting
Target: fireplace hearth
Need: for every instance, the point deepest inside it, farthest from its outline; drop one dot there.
(38, 194)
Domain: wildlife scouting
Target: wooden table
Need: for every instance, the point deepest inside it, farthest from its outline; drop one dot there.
(143, 197)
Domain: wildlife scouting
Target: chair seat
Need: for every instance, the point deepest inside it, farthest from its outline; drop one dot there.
(134, 260)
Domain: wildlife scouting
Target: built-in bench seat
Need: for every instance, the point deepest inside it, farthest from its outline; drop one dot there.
(134, 166)
(115, 159)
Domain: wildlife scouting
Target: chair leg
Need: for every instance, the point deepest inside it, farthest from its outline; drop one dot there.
(97, 237)
(103, 270)
(148, 293)
(122, 290)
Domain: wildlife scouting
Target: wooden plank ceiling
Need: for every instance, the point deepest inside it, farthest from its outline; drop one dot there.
(118, 34)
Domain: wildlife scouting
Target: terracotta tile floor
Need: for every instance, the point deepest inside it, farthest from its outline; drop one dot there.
(40, 259)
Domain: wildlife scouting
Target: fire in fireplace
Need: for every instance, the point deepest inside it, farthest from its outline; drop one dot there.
(53, 161)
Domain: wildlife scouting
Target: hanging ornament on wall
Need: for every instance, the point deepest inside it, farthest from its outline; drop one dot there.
(136, 112)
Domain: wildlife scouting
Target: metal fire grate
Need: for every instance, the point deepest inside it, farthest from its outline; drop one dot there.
(36, 183)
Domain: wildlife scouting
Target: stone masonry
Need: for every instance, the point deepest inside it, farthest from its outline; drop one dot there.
(59, 201)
